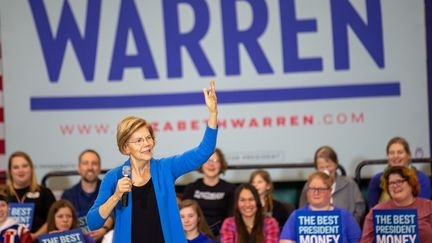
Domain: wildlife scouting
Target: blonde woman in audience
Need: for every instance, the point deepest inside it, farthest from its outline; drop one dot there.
(318, 196)
(62, 217)
(249, 223)
(403, 188)
(22, 187)
(10, 230)
(345, 193)
(398, 154)
(194, 223)
(262, 181)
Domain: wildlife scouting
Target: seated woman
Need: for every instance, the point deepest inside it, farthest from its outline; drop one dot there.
(318, 197)
(249, 223)
(262, 181)
(10, 230)
(213, 194)
(402, 185)
(194, 223)
(62, 217)
(22, 187)
(398, 154)
(345, 193)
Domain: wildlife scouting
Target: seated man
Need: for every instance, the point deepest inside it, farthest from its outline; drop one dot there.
(84, 193)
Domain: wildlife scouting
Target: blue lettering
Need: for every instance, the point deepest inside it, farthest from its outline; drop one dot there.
(249, 38)
(54, 47)
(290, 26)
(370, 34)
(130, 20)
(175, 40)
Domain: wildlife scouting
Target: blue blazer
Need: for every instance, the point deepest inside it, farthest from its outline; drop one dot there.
(164, 173)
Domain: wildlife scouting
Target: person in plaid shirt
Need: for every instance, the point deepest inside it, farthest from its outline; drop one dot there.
(249, 223)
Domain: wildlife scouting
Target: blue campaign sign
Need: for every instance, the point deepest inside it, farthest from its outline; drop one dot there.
(70, 236)
(395, 225)
(22, 212)
(318, 226)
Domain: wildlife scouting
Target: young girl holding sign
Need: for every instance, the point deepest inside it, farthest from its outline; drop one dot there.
(62, 217)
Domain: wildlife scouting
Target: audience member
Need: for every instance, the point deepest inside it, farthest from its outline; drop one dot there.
(318, 196)
(249, 223)
(62, 217)
(262, 181)
(398, 154)
(213, 194)
(345, 193)
(194, 223)
(10, 230)
(22, 187)
(84, 193)
(402, 185)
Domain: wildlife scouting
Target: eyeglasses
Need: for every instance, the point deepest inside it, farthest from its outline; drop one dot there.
(140, 141)
(213, 161)
(317, 189)
(396, 182)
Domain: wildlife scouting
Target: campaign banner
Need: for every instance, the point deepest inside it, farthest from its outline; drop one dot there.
(397, 225)
(290, 75)
(70, 236)
(319, 226)
(23, 213)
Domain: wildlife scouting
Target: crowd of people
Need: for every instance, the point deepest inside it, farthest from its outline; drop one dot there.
(137, 201)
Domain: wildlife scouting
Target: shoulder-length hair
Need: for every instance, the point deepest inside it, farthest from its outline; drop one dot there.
(222, 160)
(202, 222)
(406, 173)
(269, 194)
(127, 127)
(34, 186)
(55, 207)
(257, 233)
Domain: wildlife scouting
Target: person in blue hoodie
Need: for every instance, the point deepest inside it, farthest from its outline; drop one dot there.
(151, 211)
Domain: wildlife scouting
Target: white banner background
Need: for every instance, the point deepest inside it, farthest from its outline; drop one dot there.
(357, 128)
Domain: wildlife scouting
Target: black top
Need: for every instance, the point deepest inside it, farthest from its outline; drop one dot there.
(146, 225)
(215, 201)
(43, 199)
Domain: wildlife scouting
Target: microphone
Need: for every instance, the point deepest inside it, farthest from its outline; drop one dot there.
(126, 171)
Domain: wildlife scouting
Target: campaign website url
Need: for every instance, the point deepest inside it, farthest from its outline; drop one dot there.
(237, 123)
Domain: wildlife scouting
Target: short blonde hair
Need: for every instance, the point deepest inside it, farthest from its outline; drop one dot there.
(127, 127)
(328, 180)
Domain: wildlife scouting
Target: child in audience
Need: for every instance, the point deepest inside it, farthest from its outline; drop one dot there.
(194, 223)
(10, 230)
(249, 223)
(214, 195)
(345, 193)
(398, 154)
(62, 217)
(261, 180)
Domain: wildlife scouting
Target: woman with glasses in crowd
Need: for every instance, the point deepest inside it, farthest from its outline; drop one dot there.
(398, 154)
(22, 187)
(318, 197)
(345, 193)
(402, 185)
(151, 211)
(213, 194)
(249, 223)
